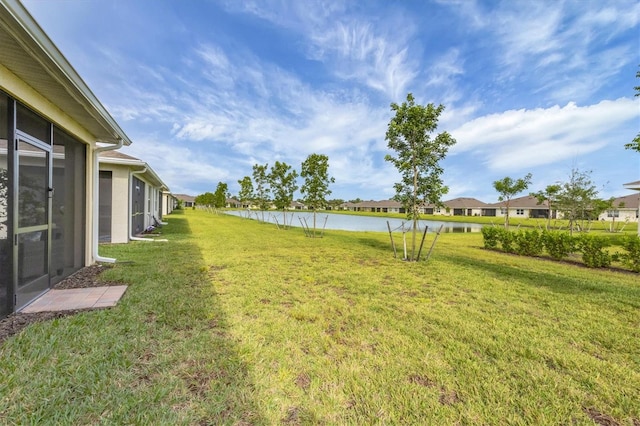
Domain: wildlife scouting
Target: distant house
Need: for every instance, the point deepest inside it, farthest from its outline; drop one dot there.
(463, 206)
(233, 203)
(624, 209)
(130, 197)
(169, 202)
(52, 128)
(297, 205)
(187, 201)
(522, 207)
(636, 187)
(383, 206)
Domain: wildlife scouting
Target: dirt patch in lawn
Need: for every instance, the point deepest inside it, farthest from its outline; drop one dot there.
(84, 278)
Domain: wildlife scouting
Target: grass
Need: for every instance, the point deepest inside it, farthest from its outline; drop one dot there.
(235, 322)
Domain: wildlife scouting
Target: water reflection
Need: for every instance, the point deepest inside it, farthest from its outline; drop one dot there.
(353, 223)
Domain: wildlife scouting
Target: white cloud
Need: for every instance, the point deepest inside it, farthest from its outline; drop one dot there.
(517, 139)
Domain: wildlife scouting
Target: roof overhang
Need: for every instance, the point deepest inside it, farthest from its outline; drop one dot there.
(633, 185)
(136, 166)
(28, 53)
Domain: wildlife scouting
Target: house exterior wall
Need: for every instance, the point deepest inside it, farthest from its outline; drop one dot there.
(119, 203)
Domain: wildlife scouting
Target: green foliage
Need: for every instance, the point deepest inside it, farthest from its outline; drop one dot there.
(221, 194)
(262, 190)
(507, 188)
(283, 184)
(506, 239)
(417, 157)
(594, 253)
(206, 199)
(576, 198)
(631, 259)
(558, 244)
(528, 242)
(548, 197)
(490, 236)
(315, 189)
(246, 190)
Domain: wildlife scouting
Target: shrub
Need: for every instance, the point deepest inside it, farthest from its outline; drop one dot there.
(593, 251)
(631, 259)
(505, 237)
(490, 235)
(528, 242)
(558, 244)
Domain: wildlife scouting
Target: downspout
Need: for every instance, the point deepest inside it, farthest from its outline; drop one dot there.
(96, 199)
(131, 236)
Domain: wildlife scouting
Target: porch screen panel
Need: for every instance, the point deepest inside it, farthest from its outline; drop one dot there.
(5, 246)
(69, 202)
(137, 205)
(31, 123)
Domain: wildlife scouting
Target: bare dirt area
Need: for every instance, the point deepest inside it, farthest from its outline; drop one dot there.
(84, 278)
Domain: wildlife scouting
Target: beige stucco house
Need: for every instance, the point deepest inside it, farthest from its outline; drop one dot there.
(521, 207)
(461, 206)
(636, 187)
(131, 197)
(52, 128)
(187, 201)
(624, 209)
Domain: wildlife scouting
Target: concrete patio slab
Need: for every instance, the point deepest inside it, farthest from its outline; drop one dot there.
(76, 298)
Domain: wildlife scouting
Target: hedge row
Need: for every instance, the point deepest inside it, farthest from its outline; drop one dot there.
(559, 245)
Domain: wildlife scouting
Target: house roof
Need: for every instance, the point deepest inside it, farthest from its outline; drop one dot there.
(633, 185)
(630, 201)
(116, 157)
(525, 202)
(185, 197)
(28, 53)
(464, 202)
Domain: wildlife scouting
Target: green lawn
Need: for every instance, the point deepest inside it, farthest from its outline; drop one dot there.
(236, 322)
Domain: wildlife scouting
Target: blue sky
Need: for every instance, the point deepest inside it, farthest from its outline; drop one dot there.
(207, 89)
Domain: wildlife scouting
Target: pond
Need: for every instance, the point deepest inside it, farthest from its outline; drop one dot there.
(353, 223)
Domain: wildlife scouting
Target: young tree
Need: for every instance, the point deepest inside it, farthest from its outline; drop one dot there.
(221, 194)
(262, 190)
(417, 157)
(283, 184)
(577, 196)
(635, 144)
(246, 191)
(549, 195)
(316, 183)
(508, 188)
(206, 199)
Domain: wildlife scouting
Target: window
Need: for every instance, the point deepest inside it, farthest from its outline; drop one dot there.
(613, 213)
(520, 212)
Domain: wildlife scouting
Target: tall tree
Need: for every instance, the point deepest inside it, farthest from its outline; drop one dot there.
(507, 188)
(283, 184)
(315, 189)
(635, 144)
(577, 197)
(207, 199)
(246, 191)
(262, 190)
(417, 157)
(221, 194)
(549, 195)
